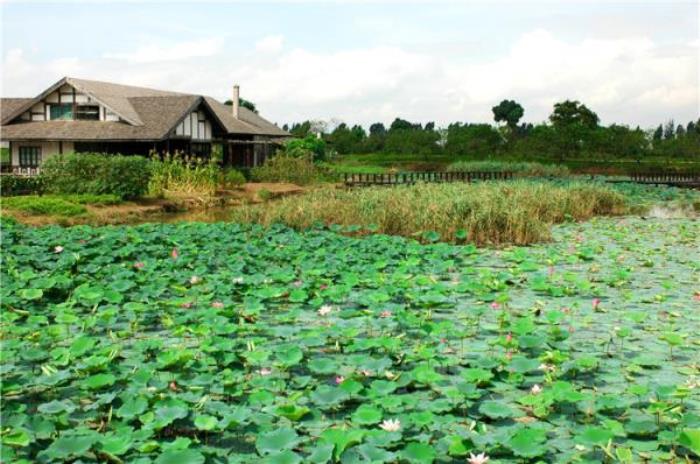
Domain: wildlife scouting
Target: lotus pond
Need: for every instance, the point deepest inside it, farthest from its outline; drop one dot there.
(221, 343)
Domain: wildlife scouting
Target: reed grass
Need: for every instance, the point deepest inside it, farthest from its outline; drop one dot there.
(519, 212)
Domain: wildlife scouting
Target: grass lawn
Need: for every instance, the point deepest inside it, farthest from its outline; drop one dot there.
(376, 163)
(218, 343)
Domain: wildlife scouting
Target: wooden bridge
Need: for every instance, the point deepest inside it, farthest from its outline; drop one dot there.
(413, 177)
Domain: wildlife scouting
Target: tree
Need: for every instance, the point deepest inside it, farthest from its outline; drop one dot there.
(244, 103)
(477, 140)
(570, 113)
(658, 133)
(680, 131)
(400, 124)
(377, 129)
(508, 111)
(670, 130)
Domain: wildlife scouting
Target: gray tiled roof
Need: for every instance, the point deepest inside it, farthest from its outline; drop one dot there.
(149, 114)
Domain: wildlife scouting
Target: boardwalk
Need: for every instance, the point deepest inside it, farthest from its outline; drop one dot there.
(413, 177)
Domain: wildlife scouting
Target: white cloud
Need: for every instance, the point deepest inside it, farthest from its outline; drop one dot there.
(270, 44)
(171, 52)
(631, 80)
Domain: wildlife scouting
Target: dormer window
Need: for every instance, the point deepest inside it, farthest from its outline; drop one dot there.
(64, 111)
(87, 113)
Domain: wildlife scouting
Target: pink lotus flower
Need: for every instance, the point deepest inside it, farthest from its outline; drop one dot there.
(217, 304)
(390, 425)
(596, 303)
(495, 305)
(385, 313)
(57, 249)
(139, 265)
(696, 297)
(509, 337)
(366, 372)
(174, 254)
(323, 286)
(339, 379)
(477, 459)
(186, 305)
(536, 389)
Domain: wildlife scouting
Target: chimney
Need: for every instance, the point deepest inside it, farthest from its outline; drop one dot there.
(236, 100)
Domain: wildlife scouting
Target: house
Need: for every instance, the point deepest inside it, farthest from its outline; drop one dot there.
(78, 115)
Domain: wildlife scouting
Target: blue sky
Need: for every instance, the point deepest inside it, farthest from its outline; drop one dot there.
(632, 62)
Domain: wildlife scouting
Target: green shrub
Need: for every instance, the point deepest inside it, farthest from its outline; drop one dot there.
(233, 178)
(523, 169)
(284, 168)
(308, 146)
(21, 185)
(44, 205)
(184, 175)
(124, 176)
(264, 194)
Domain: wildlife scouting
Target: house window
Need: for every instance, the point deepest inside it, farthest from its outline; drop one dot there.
(61, 111)
(87, 112)
(201, 150)
(29, 157)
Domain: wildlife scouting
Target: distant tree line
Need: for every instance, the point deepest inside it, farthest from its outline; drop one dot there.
(573, 131)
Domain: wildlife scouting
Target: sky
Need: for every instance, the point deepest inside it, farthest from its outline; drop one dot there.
(632, 62)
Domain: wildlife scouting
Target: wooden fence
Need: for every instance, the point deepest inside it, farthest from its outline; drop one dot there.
(413, 177)
(667, 178)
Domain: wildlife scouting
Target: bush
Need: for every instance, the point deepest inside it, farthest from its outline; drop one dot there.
(184, 175)
(124, 176)
(233, 178)
(44, 205)
(11, 185)
(285, 168)
(308, 146)
(524, 169)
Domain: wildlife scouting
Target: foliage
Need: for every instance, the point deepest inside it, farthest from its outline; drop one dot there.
(524, 169)
(124, 176)
(514, 212)
(509, 112)
(244, 104)
(473, 140)
(193, 343)
(573, 113)
(284, 168)
(48, 205)
(22, 185)
(180, 174)
(309, 146)
(233, 178)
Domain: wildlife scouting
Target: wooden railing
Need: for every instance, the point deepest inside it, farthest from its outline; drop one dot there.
(413, 177)
(669, 178)
(20, 171)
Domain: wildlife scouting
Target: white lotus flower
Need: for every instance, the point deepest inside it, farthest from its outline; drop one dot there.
(194, 280)
(238, 280)
(478, 459)
(390, 425)
(536, 389)
(57, 249)
(325, 310)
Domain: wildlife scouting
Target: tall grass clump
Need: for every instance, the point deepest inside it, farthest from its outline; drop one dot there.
(300, 170)
(518, 212)
(182, 175)
(518, 168)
